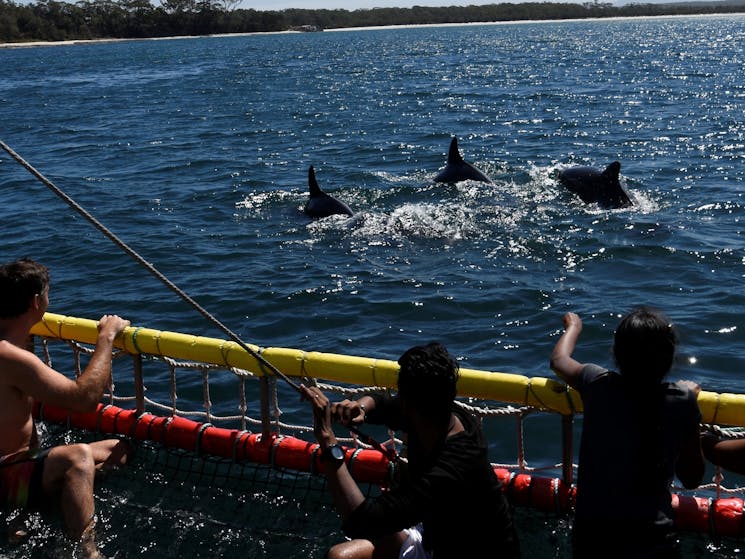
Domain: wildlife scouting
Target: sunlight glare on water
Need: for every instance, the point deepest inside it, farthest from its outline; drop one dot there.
(196, 153)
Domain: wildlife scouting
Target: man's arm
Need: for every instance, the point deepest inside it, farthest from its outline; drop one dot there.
(729, 454)
(352, 412)
(344, 489)
(562, 362)
(33, 377)
(690, 466)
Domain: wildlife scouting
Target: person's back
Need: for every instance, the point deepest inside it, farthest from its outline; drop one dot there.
(469, 501)
(454, 491)
(630, 443)
(16, 423)
(24, 285)
(637, 432)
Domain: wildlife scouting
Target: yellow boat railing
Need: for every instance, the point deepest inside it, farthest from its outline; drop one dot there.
(537, 392)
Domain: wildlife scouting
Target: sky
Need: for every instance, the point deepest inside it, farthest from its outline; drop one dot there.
(357, 4)
(367, 4)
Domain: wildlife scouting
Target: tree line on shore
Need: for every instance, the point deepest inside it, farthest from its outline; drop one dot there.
(49, 20)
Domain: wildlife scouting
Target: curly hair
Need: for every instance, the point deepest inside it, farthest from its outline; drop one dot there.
(427, 379)
(19, 282)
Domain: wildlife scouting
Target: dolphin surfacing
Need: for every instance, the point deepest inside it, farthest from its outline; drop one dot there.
(456, 169)
(595, 186)
(319, 203)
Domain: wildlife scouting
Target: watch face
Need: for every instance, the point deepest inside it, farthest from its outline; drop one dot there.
(336, 453)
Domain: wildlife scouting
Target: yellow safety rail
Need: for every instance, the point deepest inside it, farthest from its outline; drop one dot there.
(539, 392)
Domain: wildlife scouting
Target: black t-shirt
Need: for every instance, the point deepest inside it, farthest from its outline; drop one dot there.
(456, 497)
(629, 447)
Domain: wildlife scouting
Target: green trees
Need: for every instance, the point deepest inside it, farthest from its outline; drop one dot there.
(50, 20)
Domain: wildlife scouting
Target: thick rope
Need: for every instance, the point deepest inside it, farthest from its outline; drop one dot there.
(140, 260)
(155, 272)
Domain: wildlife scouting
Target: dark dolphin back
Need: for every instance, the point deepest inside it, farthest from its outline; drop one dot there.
(319, 203)
(313, 187)
(454, 156)
(457, 169)
(578, 178)
(597, 187)
(614, 195)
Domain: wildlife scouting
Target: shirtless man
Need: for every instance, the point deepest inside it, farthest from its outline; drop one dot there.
(29, 475)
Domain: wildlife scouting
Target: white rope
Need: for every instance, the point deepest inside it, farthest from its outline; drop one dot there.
(208, 372)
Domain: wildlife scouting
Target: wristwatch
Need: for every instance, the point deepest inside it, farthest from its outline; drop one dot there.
(333, 455)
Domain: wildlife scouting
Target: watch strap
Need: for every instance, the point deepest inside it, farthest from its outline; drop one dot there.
(333, 455)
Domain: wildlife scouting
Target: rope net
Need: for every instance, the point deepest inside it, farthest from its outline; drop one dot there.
(169, 502)
(226, 465)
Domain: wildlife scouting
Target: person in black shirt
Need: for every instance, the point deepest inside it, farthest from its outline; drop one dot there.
(449, 502)
(638, 432)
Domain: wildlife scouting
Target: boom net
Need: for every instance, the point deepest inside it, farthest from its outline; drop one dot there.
(226, 464)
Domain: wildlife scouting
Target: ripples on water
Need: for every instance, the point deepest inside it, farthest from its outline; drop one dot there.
(196, 153)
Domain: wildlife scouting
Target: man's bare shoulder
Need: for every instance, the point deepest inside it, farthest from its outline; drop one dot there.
(14, 358)
(10, 353)
(22, 369)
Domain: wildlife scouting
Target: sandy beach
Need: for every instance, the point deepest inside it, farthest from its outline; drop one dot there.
(342, 29)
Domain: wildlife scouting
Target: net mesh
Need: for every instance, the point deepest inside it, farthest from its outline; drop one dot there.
(171, 502)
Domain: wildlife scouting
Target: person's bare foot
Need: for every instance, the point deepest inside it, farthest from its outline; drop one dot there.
(16, 535)
(16, 528)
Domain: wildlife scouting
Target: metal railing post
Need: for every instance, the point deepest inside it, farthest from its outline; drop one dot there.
(266, 425)
(567, 454)
(139, 383)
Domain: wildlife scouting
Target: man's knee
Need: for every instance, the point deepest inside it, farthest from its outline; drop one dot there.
(69, 462)
(338, 551)
(79, 456)
(351, 549)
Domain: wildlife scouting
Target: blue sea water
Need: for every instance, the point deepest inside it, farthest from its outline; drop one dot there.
(195, 153)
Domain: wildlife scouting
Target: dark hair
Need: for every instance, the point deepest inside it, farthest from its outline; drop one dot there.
(644, 349)
(427, 379)
(644, 346)
(19, 282)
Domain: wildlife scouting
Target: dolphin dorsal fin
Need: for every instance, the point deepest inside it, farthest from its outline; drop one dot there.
(454, 155)
(313, 187)
(612, 171)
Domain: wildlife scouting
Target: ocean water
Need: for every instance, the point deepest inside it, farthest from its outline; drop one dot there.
(195, 153)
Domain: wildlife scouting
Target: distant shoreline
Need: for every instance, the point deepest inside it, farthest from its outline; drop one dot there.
(71, 42)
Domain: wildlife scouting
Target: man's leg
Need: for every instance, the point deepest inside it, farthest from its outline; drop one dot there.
(387, 547)
(111, 453)
(352, 549)
(69, 471)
